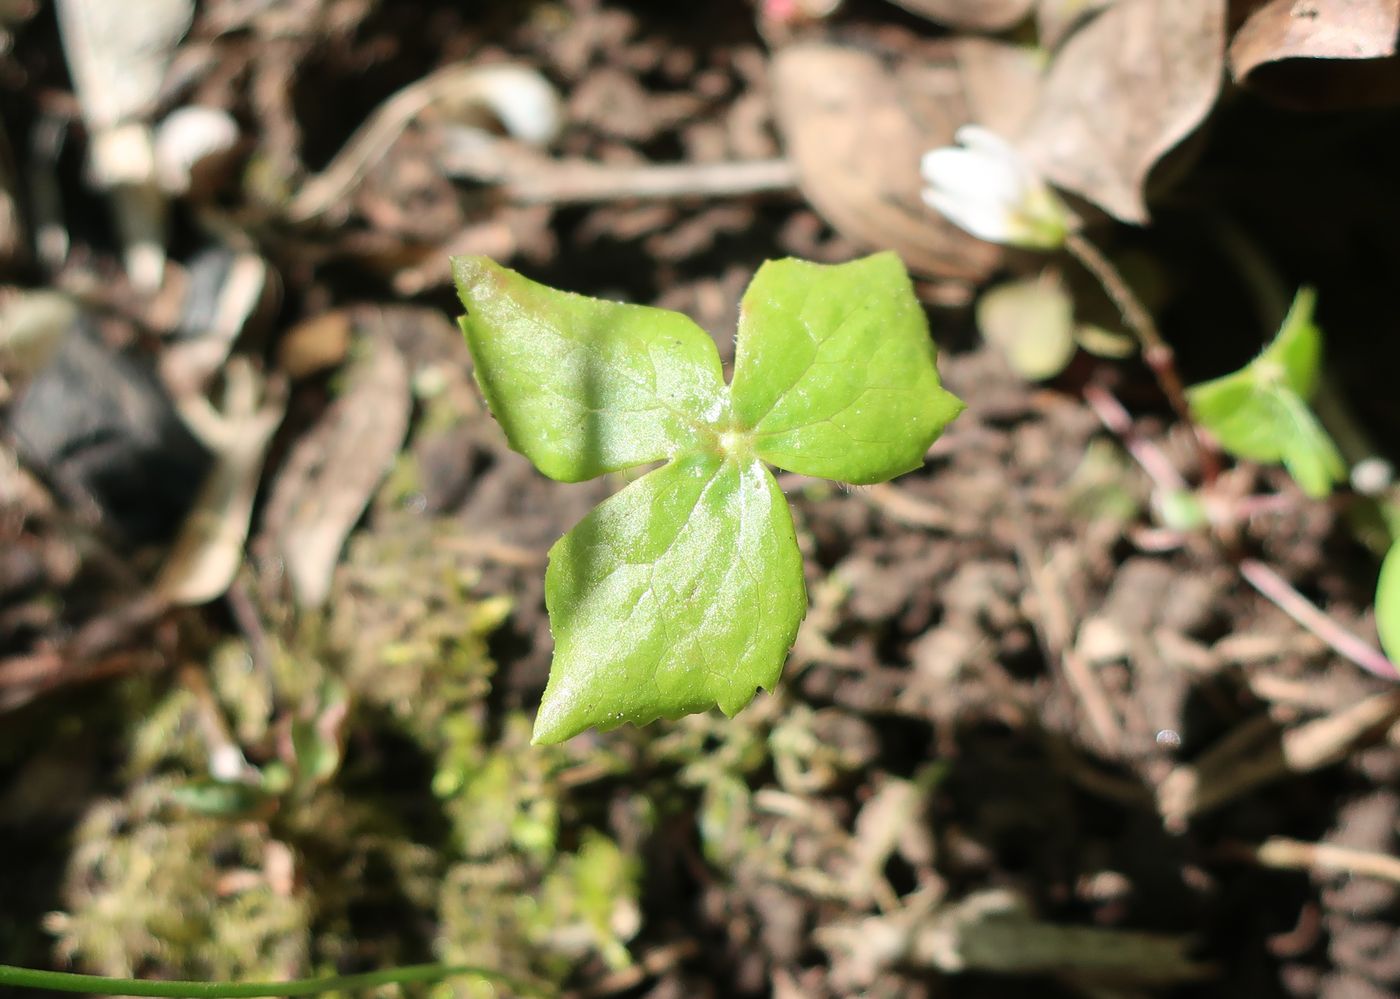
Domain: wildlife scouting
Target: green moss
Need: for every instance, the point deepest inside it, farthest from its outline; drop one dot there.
(151, 889)
(395, 818)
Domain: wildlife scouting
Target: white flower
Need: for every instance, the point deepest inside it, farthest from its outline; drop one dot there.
(985, 186)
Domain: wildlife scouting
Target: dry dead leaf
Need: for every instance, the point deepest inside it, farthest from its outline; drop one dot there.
(1124, 90)
(1054, 19)
(333, 471)
(1315, 29)
(856, 129)
(1321, 54)
(1002, 82)
(971, 15)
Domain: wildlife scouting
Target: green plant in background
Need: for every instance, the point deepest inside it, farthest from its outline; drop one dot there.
(1388, 603)
(684, 591)
(1261, 411)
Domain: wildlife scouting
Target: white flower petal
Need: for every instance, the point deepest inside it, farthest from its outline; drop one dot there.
(967, 174)
(990, 144)
(984, 219)
(985, 141)
(987, 187)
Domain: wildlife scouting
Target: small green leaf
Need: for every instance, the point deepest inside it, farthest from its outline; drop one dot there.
(1388, 604)
(681, 592)
(218, 798)
(1261, 413)
(1298, 346)
(1181, 510)
(834, 372)
(583, 386)
(1310, 455)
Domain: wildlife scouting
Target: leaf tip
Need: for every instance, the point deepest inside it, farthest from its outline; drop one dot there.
(736, 700)
(554, 724)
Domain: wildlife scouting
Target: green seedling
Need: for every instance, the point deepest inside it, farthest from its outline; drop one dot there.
(1388, 604)
(684, 591)
(1261, 412)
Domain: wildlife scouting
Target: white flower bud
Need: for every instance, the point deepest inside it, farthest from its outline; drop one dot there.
(985, 186)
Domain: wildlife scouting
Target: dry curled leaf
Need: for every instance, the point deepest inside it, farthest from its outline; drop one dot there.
(1124, 90)
(1320, 54)
(971, 15)
(333, 471)
(856, 130)
(1316, 29)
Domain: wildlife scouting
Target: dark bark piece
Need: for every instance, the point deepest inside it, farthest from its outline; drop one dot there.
(99, 424)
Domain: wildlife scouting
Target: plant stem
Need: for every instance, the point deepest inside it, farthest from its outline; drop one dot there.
(1265, 580)
(1157, 354)
(63, 981)
(1306, 613)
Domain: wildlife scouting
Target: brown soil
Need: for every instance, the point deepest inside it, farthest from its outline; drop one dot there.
(1002, 630)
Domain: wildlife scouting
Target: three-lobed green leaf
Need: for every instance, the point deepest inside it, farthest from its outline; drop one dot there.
(1261, 412)
(684, 591)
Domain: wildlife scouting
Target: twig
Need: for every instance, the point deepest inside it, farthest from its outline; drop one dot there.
(25, 678)
(374, 138)
(584, 183)
(653, 964)
(899, 505)
(1292, 854)
(246, 617)
(1257, 753)
(1156, 352)
(1306, 613)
